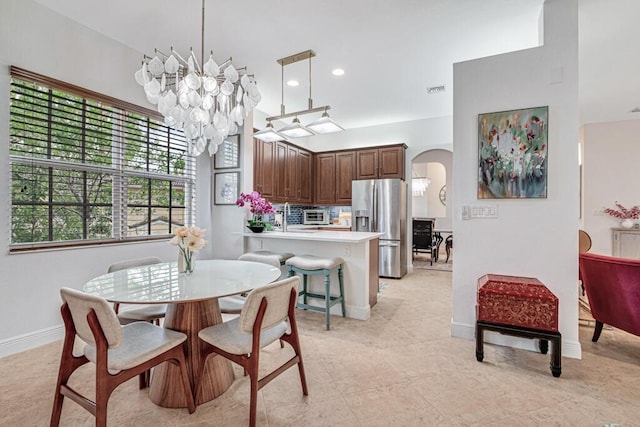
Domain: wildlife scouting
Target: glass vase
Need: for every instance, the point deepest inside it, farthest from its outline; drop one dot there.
(186, 262)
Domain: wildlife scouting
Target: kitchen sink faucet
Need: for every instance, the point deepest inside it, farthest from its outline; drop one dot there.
(287, 211)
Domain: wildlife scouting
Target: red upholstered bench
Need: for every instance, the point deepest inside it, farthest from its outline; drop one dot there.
(519, 306)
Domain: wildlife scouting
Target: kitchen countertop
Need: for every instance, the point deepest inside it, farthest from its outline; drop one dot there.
(292, 227)
(317, 235)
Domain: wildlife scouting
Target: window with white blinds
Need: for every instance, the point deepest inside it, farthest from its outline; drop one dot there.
(91, 169)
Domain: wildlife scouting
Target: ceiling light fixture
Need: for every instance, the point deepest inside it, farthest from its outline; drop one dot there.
(419, 185)
(269, 134)
(207, 101)
(296, 129)
(338, 72)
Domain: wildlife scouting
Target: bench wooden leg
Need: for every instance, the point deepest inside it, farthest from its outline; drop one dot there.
(479, 342)
(543, 336)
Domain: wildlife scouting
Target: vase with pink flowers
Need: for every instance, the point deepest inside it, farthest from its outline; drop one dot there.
(259, 206)
(627, 215)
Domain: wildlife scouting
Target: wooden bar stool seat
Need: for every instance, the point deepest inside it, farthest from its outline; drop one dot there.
(312, 265)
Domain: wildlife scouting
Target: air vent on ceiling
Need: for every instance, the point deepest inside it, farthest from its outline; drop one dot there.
(636, 110)
(435, 89)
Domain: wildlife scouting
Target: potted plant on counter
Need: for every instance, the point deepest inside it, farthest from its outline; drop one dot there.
(259, 206)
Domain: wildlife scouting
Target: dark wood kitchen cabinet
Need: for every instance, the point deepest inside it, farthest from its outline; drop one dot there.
(345, 173)
(334, 173)
(381, 162)
(301, 173)
(264, 167)
(325, 178)
(293, 168)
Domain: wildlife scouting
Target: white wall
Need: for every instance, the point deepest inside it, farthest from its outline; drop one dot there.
(610, 173)
(531, 237)
(34, 38)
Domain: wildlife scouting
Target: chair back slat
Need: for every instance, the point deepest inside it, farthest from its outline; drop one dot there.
(277, 295)
(123, 265)
(81, 304)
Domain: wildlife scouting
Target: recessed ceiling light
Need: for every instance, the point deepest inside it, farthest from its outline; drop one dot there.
(293, 83)
(338, 72)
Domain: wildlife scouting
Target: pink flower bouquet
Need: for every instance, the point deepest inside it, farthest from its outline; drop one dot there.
(624, 213)
(258, 205)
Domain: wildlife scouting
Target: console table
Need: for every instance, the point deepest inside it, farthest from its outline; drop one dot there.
(626, 242)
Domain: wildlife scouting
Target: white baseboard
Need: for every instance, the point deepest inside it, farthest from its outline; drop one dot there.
(31, 340)
(571, 349)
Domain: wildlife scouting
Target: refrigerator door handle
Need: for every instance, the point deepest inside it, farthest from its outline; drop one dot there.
(374, 214)
(394, 244)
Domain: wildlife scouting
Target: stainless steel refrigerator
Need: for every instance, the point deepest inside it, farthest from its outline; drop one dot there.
(380, 205)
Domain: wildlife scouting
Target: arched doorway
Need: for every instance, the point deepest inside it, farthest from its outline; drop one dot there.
(431, 186)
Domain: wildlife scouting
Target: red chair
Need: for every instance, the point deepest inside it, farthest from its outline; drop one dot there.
(613, 289)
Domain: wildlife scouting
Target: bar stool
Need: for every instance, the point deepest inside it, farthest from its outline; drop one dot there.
(310, 265)
(266, 257)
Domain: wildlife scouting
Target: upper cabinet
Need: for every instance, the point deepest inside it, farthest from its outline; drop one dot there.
(264, 167)
(381, 162)
(283, 172)
(345, 173)
(300, 171)
(334, 173)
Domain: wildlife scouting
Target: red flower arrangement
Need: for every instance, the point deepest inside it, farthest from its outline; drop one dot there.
(624, 213)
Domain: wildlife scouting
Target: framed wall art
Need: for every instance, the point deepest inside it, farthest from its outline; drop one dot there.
(227, 188)
(512, 154)
(228, 154)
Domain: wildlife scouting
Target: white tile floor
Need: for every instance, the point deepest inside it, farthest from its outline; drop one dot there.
(400, 368)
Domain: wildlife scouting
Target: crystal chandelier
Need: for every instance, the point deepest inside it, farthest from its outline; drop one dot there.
(419, 185)
(208, 102)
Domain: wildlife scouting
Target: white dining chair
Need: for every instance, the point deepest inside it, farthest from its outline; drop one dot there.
(233, 304)
(133, 312)
(118, 352)
(266, 316)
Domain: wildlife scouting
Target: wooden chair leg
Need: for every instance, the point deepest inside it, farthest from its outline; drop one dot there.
(597, 331)
(294, 340)
(253, 379)
(68, 364)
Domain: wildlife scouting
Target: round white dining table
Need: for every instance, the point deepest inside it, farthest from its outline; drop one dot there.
(192, 306)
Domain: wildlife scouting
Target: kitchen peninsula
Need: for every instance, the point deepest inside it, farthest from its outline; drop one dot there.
(359, 250)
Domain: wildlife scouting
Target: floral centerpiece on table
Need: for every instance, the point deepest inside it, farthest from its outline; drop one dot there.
(259, 206)
(188, 240)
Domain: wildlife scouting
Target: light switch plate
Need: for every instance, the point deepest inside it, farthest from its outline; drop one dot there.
(479, 211)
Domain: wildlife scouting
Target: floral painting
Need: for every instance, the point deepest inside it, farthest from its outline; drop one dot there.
(512, 154)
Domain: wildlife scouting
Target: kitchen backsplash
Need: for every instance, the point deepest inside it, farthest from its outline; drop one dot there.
(296, 212)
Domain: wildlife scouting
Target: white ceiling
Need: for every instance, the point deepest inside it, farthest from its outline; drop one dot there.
(391, 50)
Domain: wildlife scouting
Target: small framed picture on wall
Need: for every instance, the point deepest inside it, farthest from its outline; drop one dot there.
(227, 188)
(228, 154)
